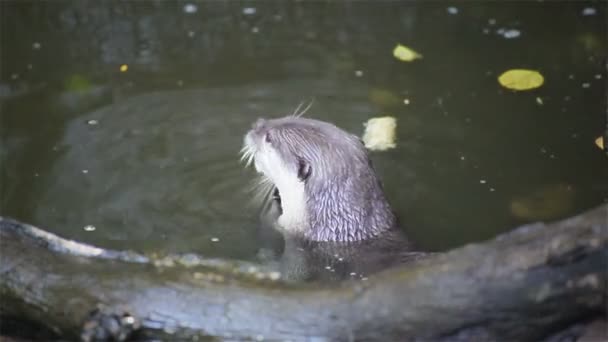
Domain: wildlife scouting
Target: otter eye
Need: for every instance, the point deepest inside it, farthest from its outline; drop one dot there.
(304, 169)
(267, 137)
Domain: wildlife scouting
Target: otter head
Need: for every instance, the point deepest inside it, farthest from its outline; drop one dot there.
(328, 188)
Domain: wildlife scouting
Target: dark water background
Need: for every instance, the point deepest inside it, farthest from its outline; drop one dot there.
(149, 156)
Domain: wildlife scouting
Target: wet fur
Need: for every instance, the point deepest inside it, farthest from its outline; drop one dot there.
(328, 188)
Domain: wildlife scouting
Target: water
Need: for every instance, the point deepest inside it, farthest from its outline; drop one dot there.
(128, 117)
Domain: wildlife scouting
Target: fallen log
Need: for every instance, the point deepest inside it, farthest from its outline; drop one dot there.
(523, 285)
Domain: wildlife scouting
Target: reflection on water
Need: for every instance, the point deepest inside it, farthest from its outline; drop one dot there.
(147, 154)
(162, 169)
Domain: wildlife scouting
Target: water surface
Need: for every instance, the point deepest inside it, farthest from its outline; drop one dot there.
(128, 117)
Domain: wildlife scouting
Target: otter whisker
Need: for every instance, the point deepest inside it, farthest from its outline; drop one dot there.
(297, 115)
(262, 190)
(247, 155)
(295, 112)
(243, 153)
(266, 193)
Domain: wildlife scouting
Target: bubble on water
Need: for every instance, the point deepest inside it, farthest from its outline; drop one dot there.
(452, 10)
(191, 34)
(586, 85)
(249, 10)
(85, 171)
(589, 11)
(190, 8)
(92, 122)
(214, 239)
(255, 29)
(511, 33)
(358, 73)
(492, 189)
(14, 76)
(89, 228)
(406, 101)
(180, 83)
(482, 181)
(492, 21)
(30, 67)
(36, 46)
(598, 76)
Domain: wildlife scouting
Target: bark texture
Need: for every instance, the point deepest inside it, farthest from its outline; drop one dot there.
(524, 285)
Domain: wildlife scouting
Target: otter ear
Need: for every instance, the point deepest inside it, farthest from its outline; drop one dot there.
(304, 169)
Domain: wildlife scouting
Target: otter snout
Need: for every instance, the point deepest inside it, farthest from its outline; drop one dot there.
(258, 124)
(257, 131)
(253, 142)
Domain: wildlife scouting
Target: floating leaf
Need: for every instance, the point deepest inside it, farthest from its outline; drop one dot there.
(521, 79)
(547, 203)
(405, 54)
(380, 133)
(124, 68)
(77, 83)
(599, 141)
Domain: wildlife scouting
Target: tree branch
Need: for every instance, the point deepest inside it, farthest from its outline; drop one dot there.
(523, 285)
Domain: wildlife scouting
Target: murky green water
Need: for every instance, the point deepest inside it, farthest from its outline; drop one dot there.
(149, 156)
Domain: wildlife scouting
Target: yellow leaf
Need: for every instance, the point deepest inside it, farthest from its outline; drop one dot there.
(380, 133)
(546, 203)
(600, 142)
(77, 83)
(521, 79)
(124, 68)
(405, 54)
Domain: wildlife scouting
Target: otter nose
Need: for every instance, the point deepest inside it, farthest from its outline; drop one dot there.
(258, 124)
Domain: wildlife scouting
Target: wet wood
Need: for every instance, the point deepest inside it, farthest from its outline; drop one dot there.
(524, 285)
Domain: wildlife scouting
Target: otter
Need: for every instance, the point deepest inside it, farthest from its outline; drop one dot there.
(325, 201)
(324, 182)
